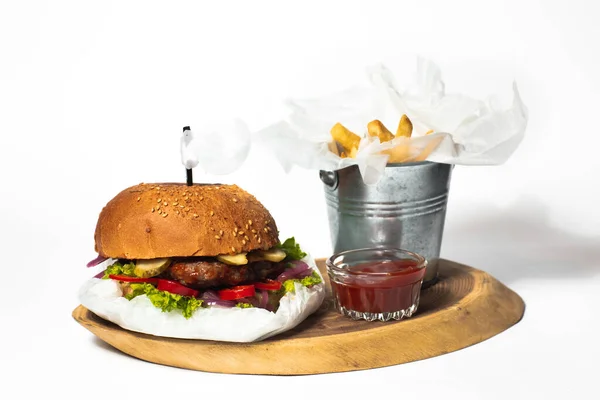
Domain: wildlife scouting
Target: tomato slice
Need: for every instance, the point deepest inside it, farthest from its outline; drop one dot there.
(237, 292)
(269, 284)
(125, 278)
(176, 288)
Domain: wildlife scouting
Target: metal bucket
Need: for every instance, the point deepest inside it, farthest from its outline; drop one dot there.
(406, 209)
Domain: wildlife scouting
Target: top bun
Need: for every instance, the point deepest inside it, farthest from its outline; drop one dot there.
(174, 220)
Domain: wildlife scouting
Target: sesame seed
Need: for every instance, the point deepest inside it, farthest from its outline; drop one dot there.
(217, 237)
(269, 229)
(139, 198)
(234, 200)
(221, 233)
(175, 203)
(233, 249)
(201, 198)
(158, 207)
(246, 237)
(246, 226)
(176, 200)
(187, 209)
(181, 206)
(235, 229)
(249, 222)
(177, 212)
(266, 230)
(254, 231)
(243, 242)
(159, 200)
(152, 209)
(165, 203)
(258, 240)
(212, 213)
(165, 214)
(195, 215)
(234, 234)
(241, 232)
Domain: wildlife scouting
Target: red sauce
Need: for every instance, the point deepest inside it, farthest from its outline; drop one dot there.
(395, 286)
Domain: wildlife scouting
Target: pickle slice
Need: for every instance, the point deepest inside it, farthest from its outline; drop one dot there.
(235, 259)
(150, 268)
(274, 255)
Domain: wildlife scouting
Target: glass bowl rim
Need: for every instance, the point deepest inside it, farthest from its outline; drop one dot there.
(421, 261)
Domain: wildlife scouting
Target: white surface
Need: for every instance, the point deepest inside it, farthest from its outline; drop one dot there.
(93, 97)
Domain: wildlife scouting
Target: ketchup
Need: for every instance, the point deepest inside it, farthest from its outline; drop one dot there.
(381, 286)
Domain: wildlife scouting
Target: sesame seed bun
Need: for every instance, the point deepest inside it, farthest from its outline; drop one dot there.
(174, 220)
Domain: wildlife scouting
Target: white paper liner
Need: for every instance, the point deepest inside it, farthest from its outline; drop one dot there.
(469, 131)
(103, 298)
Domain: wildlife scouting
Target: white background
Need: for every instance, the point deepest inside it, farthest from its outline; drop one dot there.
(93, 96)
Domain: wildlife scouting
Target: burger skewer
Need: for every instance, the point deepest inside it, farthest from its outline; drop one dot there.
(189, 177)
(188, 156)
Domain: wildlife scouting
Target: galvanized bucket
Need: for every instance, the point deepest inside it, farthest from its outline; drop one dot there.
(406, 209)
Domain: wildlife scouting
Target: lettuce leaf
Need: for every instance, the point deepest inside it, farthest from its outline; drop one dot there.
(307, 281)
(244, 305)
(119, 268)
(164, 300)
(292, 249)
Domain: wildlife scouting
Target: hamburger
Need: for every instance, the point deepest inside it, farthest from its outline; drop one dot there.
(196, 253)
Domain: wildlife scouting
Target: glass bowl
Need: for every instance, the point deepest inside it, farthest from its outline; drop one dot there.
(376, 283)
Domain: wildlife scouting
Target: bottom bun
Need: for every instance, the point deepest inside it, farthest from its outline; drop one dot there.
(104, 298)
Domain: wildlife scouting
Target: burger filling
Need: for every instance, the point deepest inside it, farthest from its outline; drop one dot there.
(255, 279)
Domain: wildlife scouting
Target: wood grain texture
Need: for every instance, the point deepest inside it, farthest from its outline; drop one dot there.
(465, 307)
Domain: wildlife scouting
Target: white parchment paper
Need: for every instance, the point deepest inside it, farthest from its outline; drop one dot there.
(103, 298)
(467, 131)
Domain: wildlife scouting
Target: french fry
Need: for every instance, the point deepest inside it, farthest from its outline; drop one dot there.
(353, 152)
(405, 127)
(376, 128)
(345, 138)
(333, 147)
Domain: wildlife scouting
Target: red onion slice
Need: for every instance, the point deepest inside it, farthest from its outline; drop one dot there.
(96, 261)
(293, 272)
(304, 274)
(211, 295)
(264, 299)
(249, 300)
(222, 303)
(100, 275)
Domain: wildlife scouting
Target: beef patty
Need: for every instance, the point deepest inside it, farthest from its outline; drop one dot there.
(208, 273)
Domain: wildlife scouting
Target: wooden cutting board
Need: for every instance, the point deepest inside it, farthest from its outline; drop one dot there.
(465, 307)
